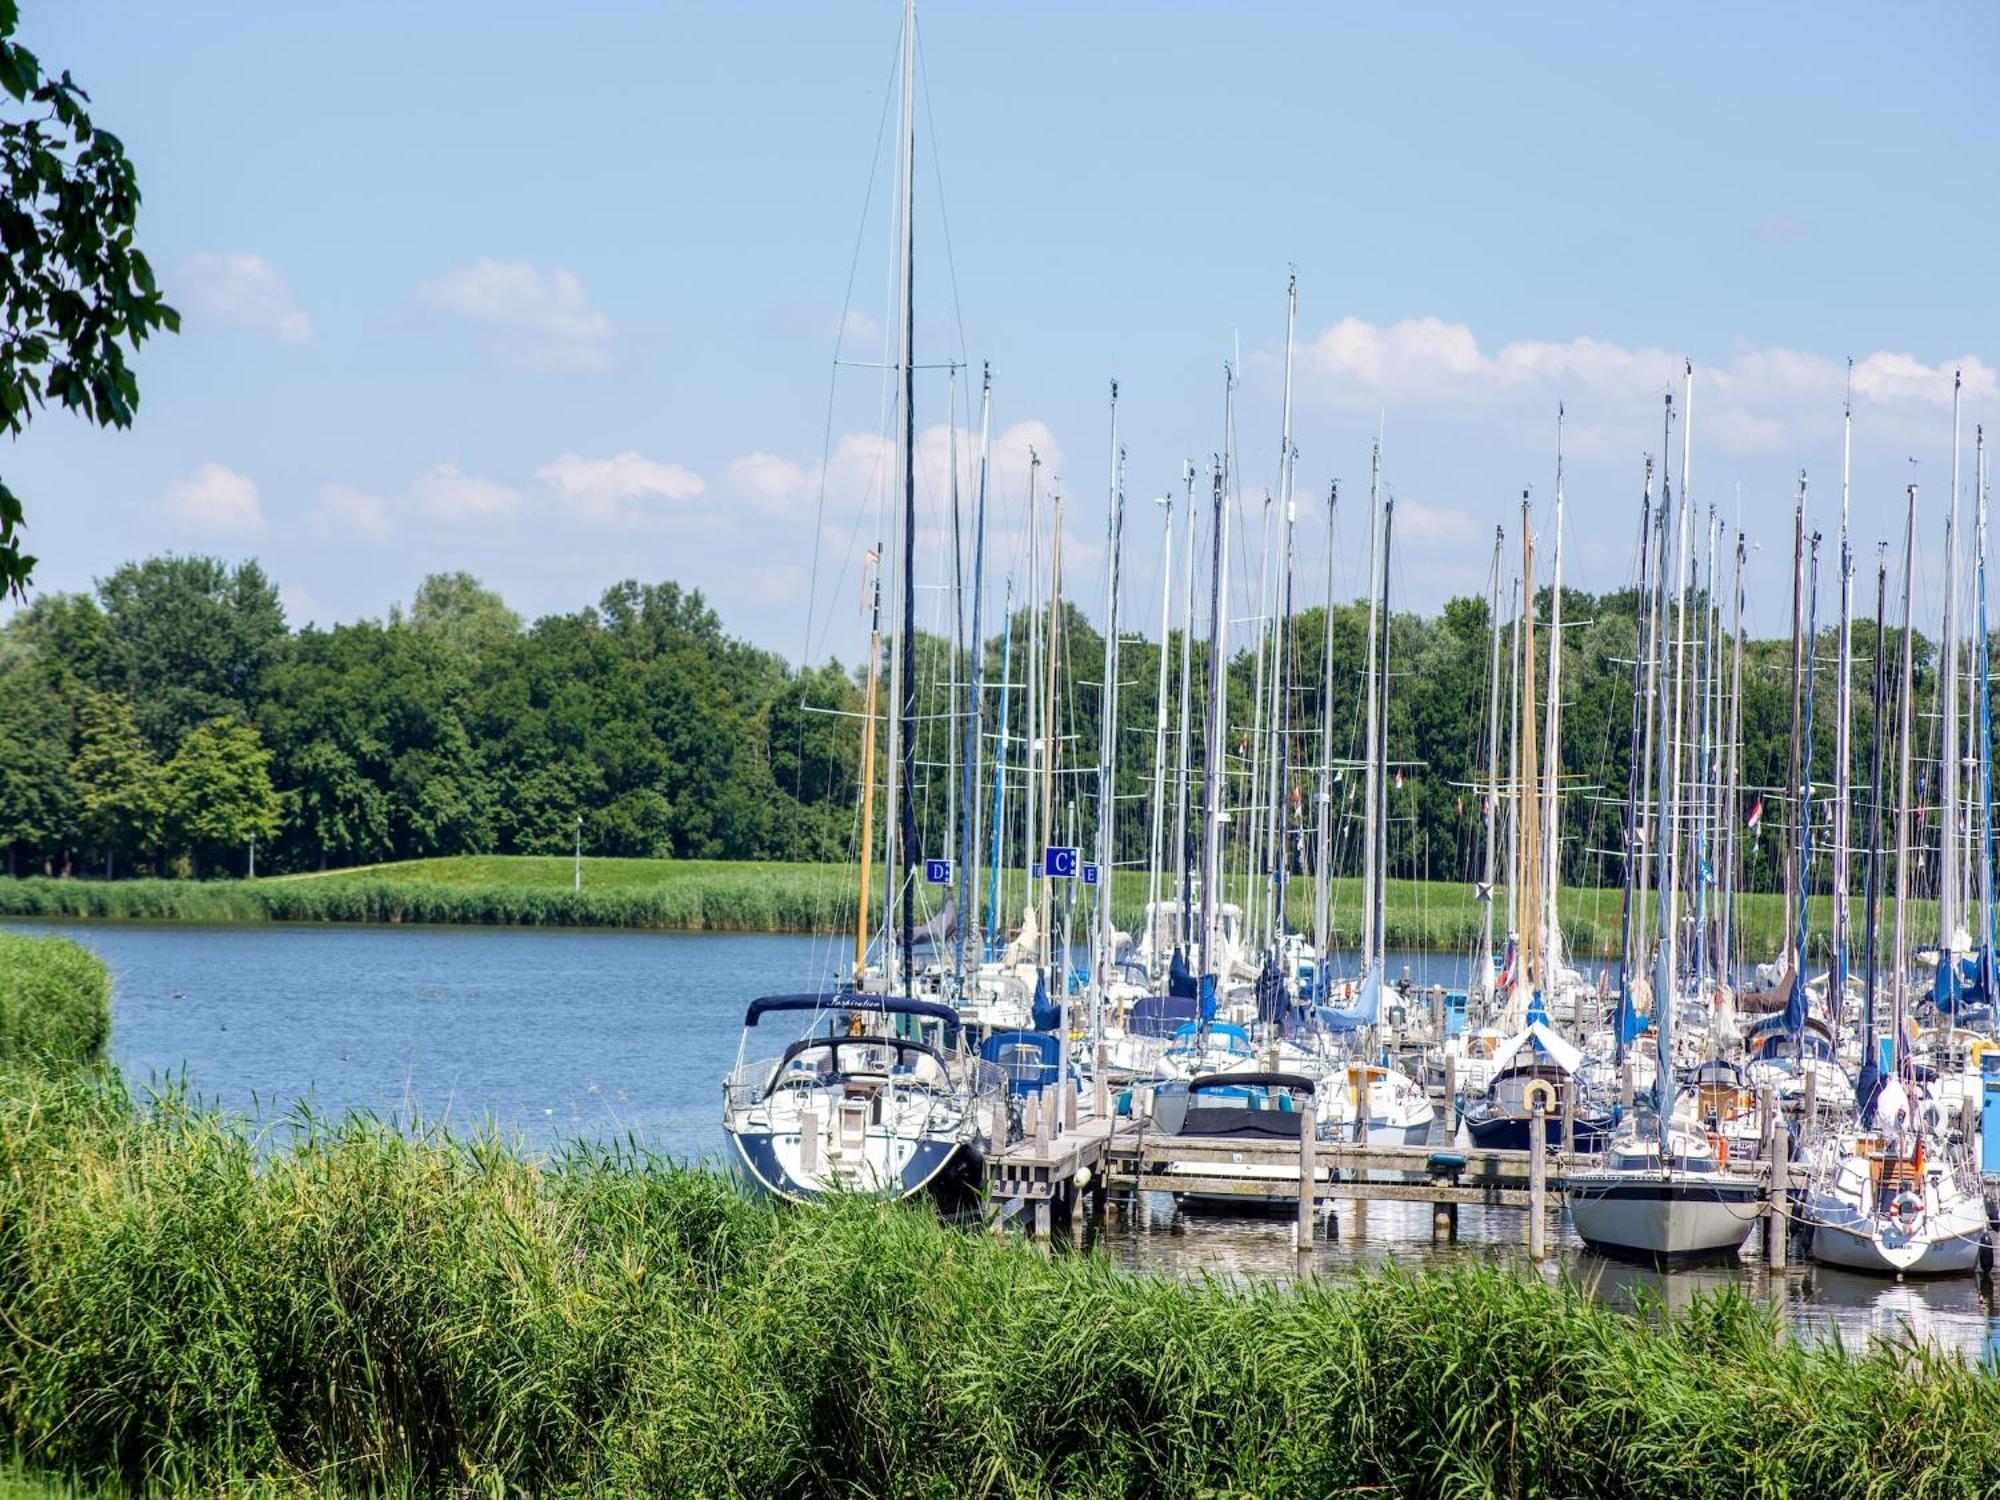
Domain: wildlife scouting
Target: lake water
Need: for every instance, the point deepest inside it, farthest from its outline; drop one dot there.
(551, 1034)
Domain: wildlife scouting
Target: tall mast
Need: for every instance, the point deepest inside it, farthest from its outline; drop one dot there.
(975, 719)
(1368, 723)
(1985, 937)
(1051, 722)
(1277, 858)
(1726, 921)
(1843, 709)
(1323, 798)
(1793, 772)
(1628, 926)
(1949, 769)
(1656, 617)
(1665, 849)
(1529, 791)
(1035, 749)
(1872, 872)
(1107, 739)
(1900, 958)
(1250, 845)
(904, 761)
(1158, 837)
(1484, 972)
(1552, 741)
(1183, 850)
(868, 773)
(997, 855)
(1379, 896)
(1212, 749)
(1704, 768)
(1799, 1004)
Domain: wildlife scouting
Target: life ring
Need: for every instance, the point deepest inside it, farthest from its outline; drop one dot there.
(1539, 1089)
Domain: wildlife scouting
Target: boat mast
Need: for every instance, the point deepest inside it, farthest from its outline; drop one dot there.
(1985, 959)
(1107, 739)
(1368, 723)
(1666, 843)
(1793, 772)
(1277, 857)
(1628, 924)
(975, 719)
(1212, 749)
(1155, 849)
(903, 799)
(1800, 995)
(1900, 958)
(1484, 972)
(1031, 802)
(1704, 769)
(1949, 894)
(868, 772)
(1323, 830)
(1052, 728)
(1378, 961)
(996, 854)
(1726, 920)
(1843, 708)
(1529, 791)
(1872, 872)
(1250, 844)
(1552, 742)
(1183, 850)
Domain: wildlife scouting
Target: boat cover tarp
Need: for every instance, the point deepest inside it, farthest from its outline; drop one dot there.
(1566, 1055)
(1271, 1002)
(1029, 1059)
(1159, 1015)
(1365, 1011)
(1045, 1015)
(1180, 978)
(888, 1005)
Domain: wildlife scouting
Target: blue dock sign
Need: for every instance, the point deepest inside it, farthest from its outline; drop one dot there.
(1059, 863)
(1090, 874)
(937, 872)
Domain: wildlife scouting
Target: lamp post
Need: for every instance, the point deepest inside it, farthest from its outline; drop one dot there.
(578, 881)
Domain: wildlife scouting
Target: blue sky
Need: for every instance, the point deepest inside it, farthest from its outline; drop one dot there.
(551, 293)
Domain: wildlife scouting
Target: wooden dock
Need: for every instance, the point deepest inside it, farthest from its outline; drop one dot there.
(1065, 1165)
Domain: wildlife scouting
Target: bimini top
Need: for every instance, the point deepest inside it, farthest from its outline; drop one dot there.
(887, 1005)
(1298, 1082)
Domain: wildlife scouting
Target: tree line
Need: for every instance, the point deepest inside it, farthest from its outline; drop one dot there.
(170, 719)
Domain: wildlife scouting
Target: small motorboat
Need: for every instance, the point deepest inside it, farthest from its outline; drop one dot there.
(1242, 1106)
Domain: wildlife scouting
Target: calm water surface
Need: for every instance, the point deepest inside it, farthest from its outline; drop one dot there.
(552, 1034)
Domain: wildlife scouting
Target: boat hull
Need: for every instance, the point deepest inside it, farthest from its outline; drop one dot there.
(1858, 1246)
(948, 1170)
(1516, 1132)
(1634, 1215)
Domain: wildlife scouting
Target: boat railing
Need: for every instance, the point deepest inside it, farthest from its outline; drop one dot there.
(746, 1085)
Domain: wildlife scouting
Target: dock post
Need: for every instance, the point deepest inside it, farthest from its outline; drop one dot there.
(1777, 1220)
(1051, 1103)
(1450, 1096)
(1044, 1221)
(1302, 1231)
(1538, 1183)
(1100, 1103)
(1569, 1119)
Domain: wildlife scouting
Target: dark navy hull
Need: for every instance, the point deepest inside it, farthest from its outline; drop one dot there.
(1516, 1132)
(948, 1171)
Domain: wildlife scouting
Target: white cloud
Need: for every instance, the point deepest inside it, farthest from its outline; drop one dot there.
(528, 316)
(243, 290)
(451, 496)
(346, 512)
(1753, 401)
(769, 481)
(859, 331)
(216, 500)
(605, 489)
(301, 605)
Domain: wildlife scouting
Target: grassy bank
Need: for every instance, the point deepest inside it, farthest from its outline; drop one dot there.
(185, 1308)
(733, 896)
(55, 1002)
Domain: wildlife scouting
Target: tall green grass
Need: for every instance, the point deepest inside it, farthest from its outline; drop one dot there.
(183, 1306)
(55, 1002)
(733, 896)
(340, 1308)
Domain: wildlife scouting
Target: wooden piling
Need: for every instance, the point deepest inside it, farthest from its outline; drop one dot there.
(1450, 1095)
(1101, 1097)
(1302, 1231)
(1538, 1183)
(1778, 1218)
(1569, 1119)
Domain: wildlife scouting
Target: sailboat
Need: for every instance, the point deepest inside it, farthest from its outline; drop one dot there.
(1662, 1192)
(879, 1095)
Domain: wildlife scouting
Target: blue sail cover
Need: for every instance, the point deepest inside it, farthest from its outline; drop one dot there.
(1949, 986)
(1795, 1002)
(1046, 1014)
(1180, 978)
(1631, 1025)
(1207, 998)
(1366, 1009)
(1537, 1011)
(1271, 1005)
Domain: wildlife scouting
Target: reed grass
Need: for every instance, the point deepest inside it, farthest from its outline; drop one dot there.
(746, 896)
(55, 1002)
(334, 1307)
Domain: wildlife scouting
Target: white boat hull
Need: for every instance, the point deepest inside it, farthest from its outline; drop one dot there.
(1947, 1248)
(1642, 1214)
